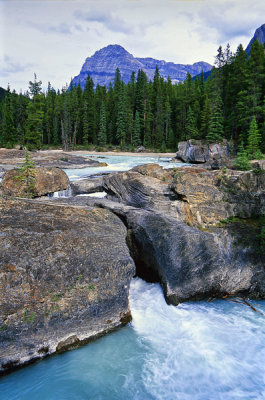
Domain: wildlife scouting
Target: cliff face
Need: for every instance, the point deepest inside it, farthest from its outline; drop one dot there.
(259, 35)
(103, 64)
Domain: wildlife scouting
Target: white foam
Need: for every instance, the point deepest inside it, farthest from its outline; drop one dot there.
(198, 351)
(99, 195)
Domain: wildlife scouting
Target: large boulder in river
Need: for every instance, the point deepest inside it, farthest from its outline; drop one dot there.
(87, 185)
(64, 277)
(195, 196)
(199, 152)
(46, 180)
(192, 264)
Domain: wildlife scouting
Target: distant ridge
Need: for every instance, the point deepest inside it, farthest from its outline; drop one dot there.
(259, 35)
(102, 66)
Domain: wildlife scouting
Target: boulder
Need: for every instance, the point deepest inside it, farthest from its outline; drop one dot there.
(46, 180)
(195, 196)
(146, 186)
(199, 152)
(258, 164)
(140, 149)
(87, 185)
(192, 264)
(65, 273)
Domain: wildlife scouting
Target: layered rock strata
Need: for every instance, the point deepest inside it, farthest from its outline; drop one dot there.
(195, 196)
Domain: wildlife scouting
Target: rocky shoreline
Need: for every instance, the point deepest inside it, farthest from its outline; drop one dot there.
(66, 263)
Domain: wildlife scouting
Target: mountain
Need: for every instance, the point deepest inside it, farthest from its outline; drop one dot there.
(2, 93)
(103, 64)
(260, 35)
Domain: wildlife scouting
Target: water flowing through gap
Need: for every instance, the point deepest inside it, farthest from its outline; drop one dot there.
(196, 351)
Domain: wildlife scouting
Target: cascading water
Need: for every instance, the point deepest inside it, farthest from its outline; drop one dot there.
(62, 193)
(196, 351)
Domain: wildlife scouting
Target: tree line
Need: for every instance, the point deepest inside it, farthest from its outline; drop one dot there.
(230, 105)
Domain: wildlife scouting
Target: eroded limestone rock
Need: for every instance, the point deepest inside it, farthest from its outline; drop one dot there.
(193, 195)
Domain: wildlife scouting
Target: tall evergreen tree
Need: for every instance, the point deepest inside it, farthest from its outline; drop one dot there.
(191, 128)
(205, 118)
(136, 131)
(216, 123)
(121, 117)
(34, 132)
(102, 135)
(89, 111)
(8, 131)
(254, 140)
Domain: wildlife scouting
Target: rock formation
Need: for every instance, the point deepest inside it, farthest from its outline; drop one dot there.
(259, 35)
(65, 275)
(216, 155)
(66, 264)
(83, 186)
(46, 180)
(192, 264)
(195, 196)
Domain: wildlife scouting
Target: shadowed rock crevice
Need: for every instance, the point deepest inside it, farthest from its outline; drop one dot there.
(146, 266)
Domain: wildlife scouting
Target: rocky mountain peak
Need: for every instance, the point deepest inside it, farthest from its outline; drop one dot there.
(112, 50)
(259, 35)
(101, 67)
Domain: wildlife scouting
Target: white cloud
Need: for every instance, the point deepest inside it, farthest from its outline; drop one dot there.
(53, 38)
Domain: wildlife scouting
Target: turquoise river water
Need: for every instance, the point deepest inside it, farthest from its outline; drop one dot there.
(196, 351)
(118, 163)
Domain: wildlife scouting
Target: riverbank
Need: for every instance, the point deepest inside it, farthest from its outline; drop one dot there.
(123, 153)
(11, 158)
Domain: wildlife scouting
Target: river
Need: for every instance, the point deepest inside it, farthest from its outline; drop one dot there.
(196, 351)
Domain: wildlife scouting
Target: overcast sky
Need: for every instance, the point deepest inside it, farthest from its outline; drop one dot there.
(54, 37)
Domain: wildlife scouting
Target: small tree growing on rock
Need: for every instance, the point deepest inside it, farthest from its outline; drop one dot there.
(26, 175)
(254, 140)
(241, 162)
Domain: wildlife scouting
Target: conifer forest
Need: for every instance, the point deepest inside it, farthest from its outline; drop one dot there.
(229, 104)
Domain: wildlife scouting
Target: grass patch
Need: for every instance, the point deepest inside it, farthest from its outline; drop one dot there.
(28, 317)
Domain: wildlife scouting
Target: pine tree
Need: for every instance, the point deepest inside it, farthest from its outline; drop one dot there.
(254, 140)
(102, 135)
(241, 162)
(33, 134)
(171, 140)
(136, 131)
(191, 129)
(65, 119)
(89, 111)
(26, 175)
(205, 118)
(121, 117)
(216, 123)
(8, 131)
